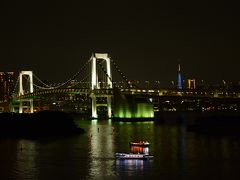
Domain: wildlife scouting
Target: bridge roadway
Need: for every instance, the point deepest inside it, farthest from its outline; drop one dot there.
(133, 91)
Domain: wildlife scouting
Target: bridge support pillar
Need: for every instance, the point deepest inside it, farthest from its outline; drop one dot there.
(20, 107)
(31, 105)
(11, 107)
(95, 105)
(28, 105)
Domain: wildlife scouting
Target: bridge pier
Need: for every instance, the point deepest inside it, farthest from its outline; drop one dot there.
(20, 110)
(95, 105)
(29, 107)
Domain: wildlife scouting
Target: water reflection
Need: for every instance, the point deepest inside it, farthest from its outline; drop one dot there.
(132, 167)
(101, 149)
(178, 154)
(26, 159)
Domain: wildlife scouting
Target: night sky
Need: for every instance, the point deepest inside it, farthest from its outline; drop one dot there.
(145, 38)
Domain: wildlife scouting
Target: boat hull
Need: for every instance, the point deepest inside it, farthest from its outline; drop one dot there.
(132, 156)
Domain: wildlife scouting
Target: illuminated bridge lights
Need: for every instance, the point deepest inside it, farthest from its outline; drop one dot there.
(163, 92)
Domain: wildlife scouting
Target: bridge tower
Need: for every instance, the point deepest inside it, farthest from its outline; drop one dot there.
(21, 91)
(95, 83)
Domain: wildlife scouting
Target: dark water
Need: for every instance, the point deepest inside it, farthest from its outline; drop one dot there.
(178, 154)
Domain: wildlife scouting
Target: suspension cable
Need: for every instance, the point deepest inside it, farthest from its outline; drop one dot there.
(62, 84)
(120, 72)
(41, 81)
(74, 76)
(79, 81)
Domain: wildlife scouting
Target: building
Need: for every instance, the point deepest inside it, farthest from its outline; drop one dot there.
(191, 84)
(6, 85)
(179, 78)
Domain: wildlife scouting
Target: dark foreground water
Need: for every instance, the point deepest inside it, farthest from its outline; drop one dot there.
(178, 154)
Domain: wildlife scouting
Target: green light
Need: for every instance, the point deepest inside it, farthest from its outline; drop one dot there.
(144, 110)
(138, 110)
(34, 97)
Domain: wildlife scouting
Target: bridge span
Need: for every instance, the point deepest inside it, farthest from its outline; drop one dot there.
(100, 85)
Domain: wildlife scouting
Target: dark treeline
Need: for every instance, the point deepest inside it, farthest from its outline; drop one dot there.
(41, 124)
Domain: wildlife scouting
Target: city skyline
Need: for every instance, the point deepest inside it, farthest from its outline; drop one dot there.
(144, 39)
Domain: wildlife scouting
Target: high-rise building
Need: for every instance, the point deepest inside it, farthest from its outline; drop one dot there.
(6, 85)
(179, 77)
(191, 84)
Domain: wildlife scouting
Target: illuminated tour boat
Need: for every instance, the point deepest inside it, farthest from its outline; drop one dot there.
(132, 156)
(140, 143)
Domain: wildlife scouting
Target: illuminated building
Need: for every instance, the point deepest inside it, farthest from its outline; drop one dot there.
(191, 84)
(179, 78)
(6, 85)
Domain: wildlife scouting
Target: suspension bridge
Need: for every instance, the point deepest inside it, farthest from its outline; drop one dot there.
(94, 80)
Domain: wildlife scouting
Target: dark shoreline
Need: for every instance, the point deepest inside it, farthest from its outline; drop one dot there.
(209, 123)
(36, 125)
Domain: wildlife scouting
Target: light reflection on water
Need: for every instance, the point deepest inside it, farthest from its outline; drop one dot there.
(178, 154)
(26, 159)
(132, 167)
(101, 149)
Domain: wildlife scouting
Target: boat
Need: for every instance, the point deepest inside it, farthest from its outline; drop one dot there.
(132, 156)
(140, 143)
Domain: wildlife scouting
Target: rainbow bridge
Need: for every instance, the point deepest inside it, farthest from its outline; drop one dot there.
(95, 81)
